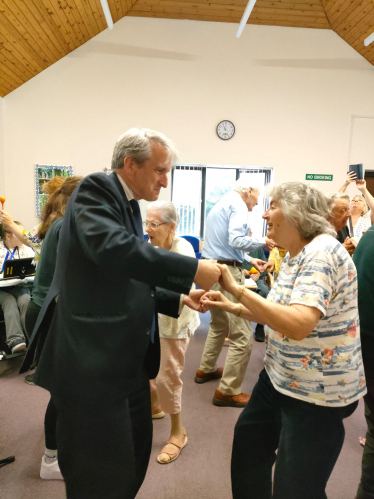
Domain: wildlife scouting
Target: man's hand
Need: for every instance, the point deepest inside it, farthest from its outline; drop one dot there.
(193, 300)
(207, 274)
(269, 244)
(258, 264)
(269, 266)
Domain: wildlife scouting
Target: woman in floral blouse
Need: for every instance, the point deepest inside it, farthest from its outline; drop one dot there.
(313, 376)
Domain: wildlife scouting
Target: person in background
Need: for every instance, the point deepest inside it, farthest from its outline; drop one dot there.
(161, 222)
(363, 259)
(338, 217)
(361, 207)
(31, 239)
(14, 299)
(49, 233)
(262, 288)
(314, 375)
(227, 241)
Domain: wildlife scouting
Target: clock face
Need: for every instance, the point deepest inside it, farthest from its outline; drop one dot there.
(225, 130)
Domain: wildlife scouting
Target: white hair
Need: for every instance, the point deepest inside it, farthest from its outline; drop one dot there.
(167, 211)
(337, 195)
(137, 143)
(244, 183)
(306, 207)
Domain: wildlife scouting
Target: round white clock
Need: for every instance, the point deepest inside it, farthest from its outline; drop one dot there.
(225, 130)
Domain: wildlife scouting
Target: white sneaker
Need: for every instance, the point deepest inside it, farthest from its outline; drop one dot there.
(50, 471)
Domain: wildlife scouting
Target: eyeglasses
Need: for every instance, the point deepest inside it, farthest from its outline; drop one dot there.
(152, 225)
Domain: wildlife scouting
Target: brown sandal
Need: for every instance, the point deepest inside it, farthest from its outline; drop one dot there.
(178, 443)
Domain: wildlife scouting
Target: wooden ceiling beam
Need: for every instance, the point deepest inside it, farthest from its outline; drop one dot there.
(88, 17)
(51, 27)
(355, 16)
(8, 58)
(11, 44)
(97, 12)
(32, 30)
(336, 20)
(16, 38)
(78, 20)
(62, 22)
(4, 68)
(7, 66)
(365, 25)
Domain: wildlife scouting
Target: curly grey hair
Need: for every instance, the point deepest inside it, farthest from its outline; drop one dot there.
(306, 207)
(168, 212)
(137, 143)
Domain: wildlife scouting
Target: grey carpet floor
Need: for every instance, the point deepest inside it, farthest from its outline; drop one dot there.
(203, 469)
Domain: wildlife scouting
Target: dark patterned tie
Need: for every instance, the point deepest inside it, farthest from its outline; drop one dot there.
(137, 217)
(139, 230)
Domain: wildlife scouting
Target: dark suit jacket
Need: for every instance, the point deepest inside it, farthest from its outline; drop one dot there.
(97, 334)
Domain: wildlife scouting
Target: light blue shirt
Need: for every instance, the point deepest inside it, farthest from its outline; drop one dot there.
(226, 233)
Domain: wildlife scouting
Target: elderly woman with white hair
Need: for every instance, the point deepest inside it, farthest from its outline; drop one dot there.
(166, 390)
(313, 374)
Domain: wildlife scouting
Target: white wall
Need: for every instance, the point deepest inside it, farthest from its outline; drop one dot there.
(290, 93)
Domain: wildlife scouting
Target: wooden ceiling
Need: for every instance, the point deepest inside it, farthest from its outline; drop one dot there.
(36, 33)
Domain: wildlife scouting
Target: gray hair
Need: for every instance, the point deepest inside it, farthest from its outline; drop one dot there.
(306, 207)
(337, 195)
(333, 196)
(244, 183)
(168, 212)
(137, 143)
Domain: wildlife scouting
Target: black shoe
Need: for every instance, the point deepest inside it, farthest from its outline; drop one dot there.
(17, 346)
(260, 333)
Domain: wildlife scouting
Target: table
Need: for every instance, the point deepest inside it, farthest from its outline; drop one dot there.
(6, 283)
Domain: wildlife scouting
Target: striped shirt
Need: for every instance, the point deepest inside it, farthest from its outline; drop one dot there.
(326, 367)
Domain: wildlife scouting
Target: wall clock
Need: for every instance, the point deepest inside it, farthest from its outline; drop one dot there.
(225, 130)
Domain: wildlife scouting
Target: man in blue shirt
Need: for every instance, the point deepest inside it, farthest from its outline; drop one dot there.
(227, 240)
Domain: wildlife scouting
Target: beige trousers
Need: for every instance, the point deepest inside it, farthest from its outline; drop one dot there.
(239, 332)
(168, 383)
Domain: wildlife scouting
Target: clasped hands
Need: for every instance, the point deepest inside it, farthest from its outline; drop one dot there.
(202, 299)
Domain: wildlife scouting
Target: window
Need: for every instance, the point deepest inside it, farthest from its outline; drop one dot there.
(195, 189)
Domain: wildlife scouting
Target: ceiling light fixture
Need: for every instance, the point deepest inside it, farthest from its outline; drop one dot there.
(245, 17)
(107, 14)
(369, 40)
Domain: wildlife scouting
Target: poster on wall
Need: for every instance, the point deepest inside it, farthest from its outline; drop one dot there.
(43, 174)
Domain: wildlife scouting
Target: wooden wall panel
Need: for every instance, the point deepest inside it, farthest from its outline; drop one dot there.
(352, 20)
(36, 33)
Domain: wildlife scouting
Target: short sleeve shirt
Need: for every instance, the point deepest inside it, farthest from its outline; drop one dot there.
(326, 367)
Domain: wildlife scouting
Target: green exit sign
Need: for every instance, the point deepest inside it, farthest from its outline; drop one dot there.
(318, 176)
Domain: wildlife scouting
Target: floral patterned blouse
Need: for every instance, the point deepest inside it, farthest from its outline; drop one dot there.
(326, 367)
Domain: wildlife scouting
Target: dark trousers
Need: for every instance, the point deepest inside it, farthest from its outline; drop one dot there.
(308, 438)
(104, 452)
(50, 426)
(32, 313)
(50, 419)
(366, 487)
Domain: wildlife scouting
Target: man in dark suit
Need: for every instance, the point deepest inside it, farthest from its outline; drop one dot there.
(101, 337)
